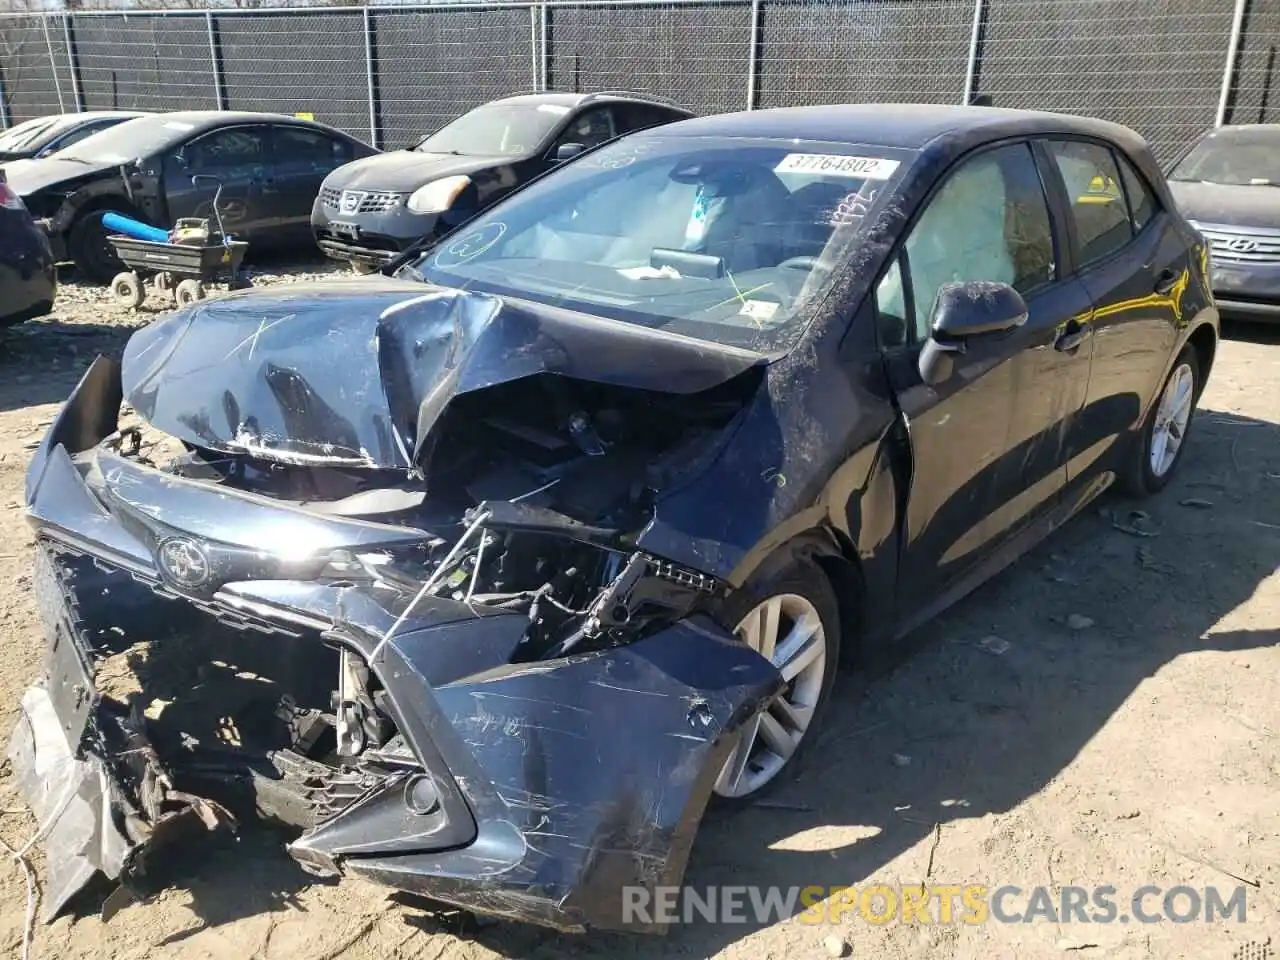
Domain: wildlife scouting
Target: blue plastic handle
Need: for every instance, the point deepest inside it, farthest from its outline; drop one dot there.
(133, 228)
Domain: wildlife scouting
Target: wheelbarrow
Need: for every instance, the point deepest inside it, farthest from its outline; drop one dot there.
(185, 269)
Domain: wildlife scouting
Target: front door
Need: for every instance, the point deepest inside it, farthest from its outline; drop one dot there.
(987, 443)
(235, 157)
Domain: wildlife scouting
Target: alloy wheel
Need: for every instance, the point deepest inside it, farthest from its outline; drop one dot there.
(787, 630)
(1172, 417)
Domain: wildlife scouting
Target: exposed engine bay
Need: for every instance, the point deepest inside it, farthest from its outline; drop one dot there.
(360, 646)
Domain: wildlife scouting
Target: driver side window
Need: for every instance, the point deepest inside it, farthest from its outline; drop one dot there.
(227, 150)
(589, 128)
(990, 221)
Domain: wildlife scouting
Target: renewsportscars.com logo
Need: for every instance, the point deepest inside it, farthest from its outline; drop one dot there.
(938, 904)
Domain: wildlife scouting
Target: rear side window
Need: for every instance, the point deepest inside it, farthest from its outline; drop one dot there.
(300, 147)
(78, 134)
(1097, 198)
(1142, 205)
(638, 116)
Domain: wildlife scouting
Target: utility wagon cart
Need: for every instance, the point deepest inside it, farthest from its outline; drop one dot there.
(185, 268)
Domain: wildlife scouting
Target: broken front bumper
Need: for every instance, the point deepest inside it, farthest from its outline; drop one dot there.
(533, 791)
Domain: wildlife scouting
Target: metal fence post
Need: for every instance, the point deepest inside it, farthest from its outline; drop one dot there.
(72, 64)
(53, 61)
(219, 99)
(753, 55)
(368, 74)
(1229, 68)
(533, 46)
(4, 107)
(545, 54)
(971, 69)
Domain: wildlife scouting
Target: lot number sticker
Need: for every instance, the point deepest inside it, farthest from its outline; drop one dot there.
(868, 168)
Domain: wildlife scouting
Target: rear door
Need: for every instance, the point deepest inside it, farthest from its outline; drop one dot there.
(236, 158)
(301, 157)
(985, 442)
(1135, 265)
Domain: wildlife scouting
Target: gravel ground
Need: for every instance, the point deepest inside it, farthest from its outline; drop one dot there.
(1102, 713)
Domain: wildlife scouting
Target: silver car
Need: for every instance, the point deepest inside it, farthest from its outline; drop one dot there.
(1228, 186)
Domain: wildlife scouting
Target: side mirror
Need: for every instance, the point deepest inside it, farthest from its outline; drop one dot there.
(567, 151)
(962, 312)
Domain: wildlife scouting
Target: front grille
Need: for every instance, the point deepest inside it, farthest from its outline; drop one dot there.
(370, 201)
(1241, 247)
(379, 202)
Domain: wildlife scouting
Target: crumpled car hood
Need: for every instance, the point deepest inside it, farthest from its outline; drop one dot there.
(356, 373)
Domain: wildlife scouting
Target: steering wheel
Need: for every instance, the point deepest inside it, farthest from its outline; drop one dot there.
(798, 263)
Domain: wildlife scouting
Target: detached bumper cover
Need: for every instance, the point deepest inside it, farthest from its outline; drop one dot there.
(552, 784)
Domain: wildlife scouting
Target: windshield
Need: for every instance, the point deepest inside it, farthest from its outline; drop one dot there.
(129, 140)
(497, 130)
(1242, 157)
(725, 240)
(25, 134)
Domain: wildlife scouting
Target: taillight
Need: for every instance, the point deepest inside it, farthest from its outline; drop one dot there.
(8, 199)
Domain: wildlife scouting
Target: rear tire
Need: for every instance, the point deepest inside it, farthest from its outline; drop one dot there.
(1155, 456)
(781, 612)
(87, 244)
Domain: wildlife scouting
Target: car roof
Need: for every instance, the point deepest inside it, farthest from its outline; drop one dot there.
(203, 119)
(903, 125)
(106, 114)
(1229, 130)
(575, 99)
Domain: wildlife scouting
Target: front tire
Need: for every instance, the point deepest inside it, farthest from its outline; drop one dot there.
(1155, 457)
(794, 622)
(89, 249)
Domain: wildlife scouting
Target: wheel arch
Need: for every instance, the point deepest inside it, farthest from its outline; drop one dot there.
(1204, 340)
(834, 557)
(78, 210)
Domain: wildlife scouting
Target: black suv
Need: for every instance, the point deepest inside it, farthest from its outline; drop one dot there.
(372, 209)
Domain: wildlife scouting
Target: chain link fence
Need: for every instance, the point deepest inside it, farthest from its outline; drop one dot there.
(390, 75)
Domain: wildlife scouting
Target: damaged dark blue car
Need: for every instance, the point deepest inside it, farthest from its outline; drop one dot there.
(485, 578)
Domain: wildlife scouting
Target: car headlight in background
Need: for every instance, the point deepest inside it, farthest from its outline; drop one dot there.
(438, 196)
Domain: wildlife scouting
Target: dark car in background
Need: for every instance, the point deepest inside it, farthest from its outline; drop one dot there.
(270, 168)
(371, 210)
(1228, 186)
(46, 135)
(28, 281)
(489, 575)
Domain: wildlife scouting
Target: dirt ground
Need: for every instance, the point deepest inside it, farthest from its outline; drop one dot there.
(1143, 748)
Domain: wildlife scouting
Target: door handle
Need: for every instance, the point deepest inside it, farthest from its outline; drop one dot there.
(1165, 282)
(1075, 334)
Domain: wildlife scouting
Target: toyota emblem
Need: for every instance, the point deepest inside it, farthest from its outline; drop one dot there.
(351, 201)
(184, 562)
(1242, 245)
